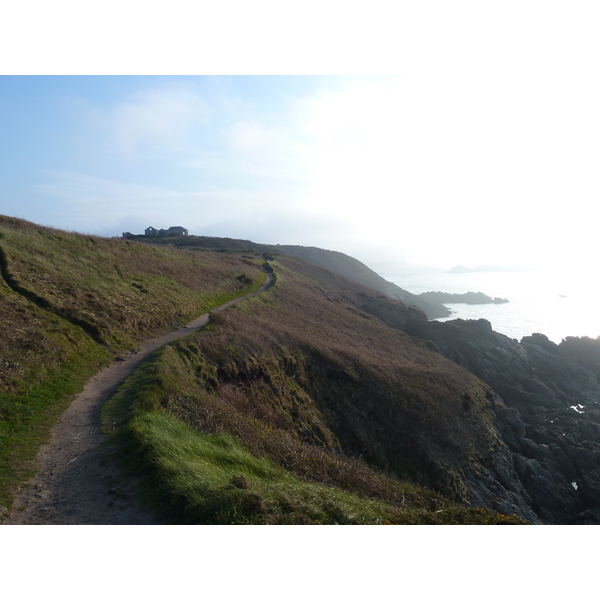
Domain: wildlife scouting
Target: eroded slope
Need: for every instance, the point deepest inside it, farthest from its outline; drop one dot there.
(303, 378)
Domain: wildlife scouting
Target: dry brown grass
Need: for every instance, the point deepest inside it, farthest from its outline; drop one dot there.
(118, 289)
(303, 375)
(70, 302)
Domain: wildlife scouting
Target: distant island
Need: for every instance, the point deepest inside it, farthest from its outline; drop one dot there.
(483, 269)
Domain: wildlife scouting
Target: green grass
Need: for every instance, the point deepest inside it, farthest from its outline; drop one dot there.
(297, 406)
(221, 441)
(70, 303)
(118, 289)
(317, 367)
(196, 478)
(27, 415)
(213, 479)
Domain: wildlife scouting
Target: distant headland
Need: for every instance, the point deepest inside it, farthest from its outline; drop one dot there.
(468, 298)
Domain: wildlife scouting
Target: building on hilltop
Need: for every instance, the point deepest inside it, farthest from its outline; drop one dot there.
(151, 232)
(174, 231)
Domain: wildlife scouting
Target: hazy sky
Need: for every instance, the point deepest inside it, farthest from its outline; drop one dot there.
(483, 147)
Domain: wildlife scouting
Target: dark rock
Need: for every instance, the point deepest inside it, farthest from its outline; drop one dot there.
(468, 298)
(589, 516)
(539, 339)
(546, 410)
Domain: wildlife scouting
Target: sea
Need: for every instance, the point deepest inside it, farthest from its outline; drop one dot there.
(556, 303)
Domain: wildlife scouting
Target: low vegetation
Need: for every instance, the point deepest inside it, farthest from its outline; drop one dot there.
(297, 407)
(117, 290)
(304, 404)
(70, 303)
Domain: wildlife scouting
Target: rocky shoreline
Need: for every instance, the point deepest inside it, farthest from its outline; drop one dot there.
(547, 411)
(544, 397)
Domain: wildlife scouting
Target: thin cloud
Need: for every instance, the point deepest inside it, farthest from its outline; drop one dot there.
(156, 119)
(261, 151)
(440, 164)
(92, 203)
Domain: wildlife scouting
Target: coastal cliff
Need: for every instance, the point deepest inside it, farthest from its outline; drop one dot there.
(543, 398)
(338, 262)
(546, 411)
(357, 271)
(322, 400)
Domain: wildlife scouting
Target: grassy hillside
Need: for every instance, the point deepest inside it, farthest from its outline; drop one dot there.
(70, 303)
(305, 404)
(331, 260)
(355, 270)
(300, 407)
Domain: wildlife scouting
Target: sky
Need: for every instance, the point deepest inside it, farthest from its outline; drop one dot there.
(476, 141)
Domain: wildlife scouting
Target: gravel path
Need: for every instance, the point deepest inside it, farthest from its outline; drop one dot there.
(77, 482)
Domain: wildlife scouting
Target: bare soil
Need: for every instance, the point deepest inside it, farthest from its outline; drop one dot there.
(78, 480)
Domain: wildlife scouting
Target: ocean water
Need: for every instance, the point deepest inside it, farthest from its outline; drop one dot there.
(555, 303)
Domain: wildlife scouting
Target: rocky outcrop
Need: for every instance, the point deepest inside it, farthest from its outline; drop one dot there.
(583, 351)
(546, 410)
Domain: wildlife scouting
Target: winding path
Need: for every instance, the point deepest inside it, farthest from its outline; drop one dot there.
(77, 482)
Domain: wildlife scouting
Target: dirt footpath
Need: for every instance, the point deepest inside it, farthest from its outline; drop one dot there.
(77, 482)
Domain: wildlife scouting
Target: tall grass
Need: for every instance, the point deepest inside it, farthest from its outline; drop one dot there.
(298, 407)
(213, 479)
(119, 289)
(70, 303)
(317, 366)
